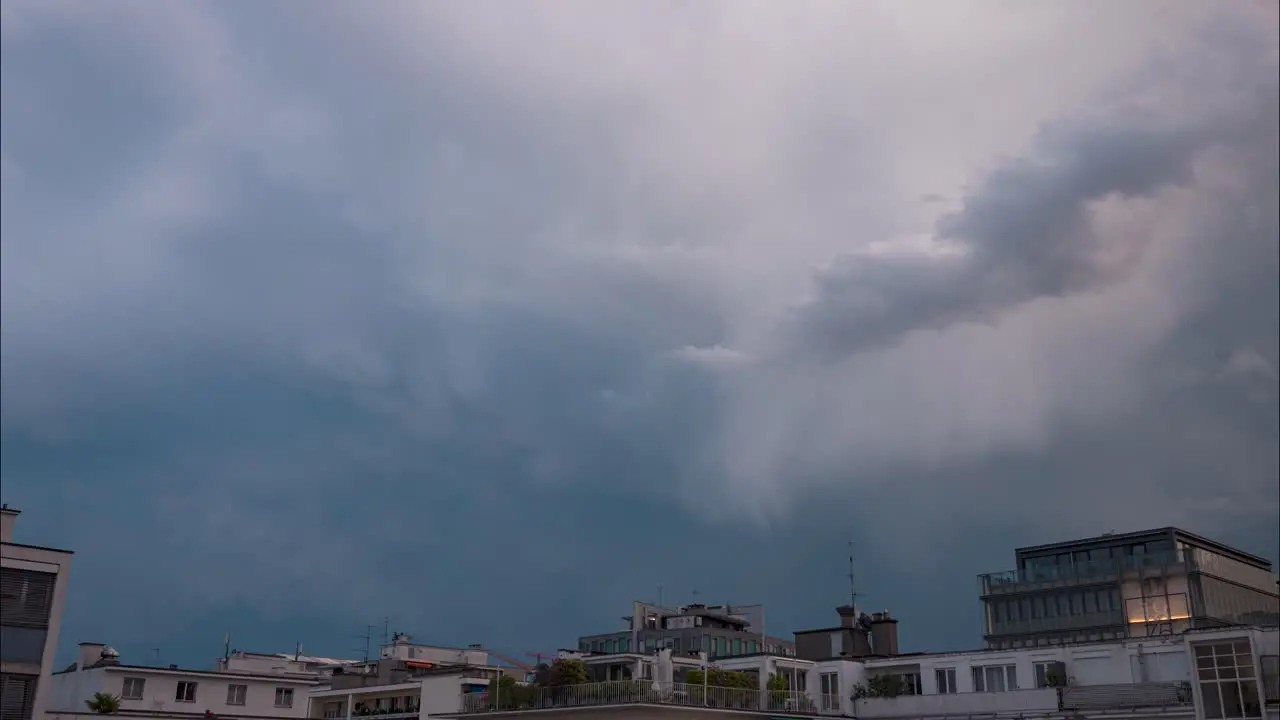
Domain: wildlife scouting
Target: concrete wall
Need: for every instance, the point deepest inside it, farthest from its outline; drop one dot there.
(58, 563)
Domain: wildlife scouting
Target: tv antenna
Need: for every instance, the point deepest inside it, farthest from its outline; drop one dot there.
(368, 639)
(853, 593)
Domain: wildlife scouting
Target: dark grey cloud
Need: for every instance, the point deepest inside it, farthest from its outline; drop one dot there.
(312, 318)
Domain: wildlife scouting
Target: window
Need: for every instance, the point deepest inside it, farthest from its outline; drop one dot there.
(1270, 677)
(830, 691)
(133, 688)
(334, 710)
(751, 647)
(1228, 683)
(1042, 672)
(608, 646)
(284, 697)
(946, 679)
(737, 646)
(721, 647)
(186, 692)
(624, 645)
(911, 684)
(17, 695)
(236, 693)
(22, 644)
(995, 678)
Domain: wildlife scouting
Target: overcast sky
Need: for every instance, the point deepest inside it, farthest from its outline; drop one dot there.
(490, 317)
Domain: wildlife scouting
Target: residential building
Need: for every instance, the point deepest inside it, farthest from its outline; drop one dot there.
(394, 688)
(33, 590)
(1137, 584)
(719, 630)
(1209, 674)
(173, 692)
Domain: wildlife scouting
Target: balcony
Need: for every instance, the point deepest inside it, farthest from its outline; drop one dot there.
(630, 692)
(1083, 573)
(1136, 695)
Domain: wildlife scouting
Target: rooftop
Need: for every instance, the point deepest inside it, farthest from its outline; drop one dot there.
(1112, 538)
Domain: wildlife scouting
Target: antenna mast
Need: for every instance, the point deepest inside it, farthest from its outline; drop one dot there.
(853, 593)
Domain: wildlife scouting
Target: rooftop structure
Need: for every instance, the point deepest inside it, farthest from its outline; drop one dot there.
(858, 635)
(719, 630)
(1139, 584)
(33, 588)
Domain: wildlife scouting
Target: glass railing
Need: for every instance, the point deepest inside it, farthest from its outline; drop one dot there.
(1084, 570)
(1068, 622)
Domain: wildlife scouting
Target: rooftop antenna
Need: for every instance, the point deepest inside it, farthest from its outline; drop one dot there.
(226, 647)
(155, 654)
(368, 638)
(853, 593)
(386, 629)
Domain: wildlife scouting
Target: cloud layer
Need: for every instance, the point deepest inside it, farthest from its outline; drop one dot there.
(318, 297)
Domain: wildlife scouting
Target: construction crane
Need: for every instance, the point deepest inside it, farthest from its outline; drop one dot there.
(550, 657)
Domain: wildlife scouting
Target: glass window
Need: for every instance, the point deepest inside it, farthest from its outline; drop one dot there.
(186, 692)
(737, 646)
(1228, 683)
(609, 646)
(284, 697)
(133, 688)
(236, 694)
(830, 691)
(946, 679)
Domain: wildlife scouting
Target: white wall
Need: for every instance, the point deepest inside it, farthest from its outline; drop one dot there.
(73, 689)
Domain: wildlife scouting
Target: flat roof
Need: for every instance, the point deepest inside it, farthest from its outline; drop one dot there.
(265, 677)
(1113, 538)
(37, 547)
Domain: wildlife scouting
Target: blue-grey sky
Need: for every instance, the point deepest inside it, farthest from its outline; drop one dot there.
(491, 317)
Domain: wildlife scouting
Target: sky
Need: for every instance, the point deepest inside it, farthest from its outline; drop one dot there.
(484, 319)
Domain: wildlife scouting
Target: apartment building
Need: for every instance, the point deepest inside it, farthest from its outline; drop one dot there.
(33, 589)
(395, 688)
(1214, 674)
(719, 630)
(174, 692)
(1139, 584)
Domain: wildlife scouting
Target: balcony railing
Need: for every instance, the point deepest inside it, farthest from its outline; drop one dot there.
(632, 692)
(1111, 697)
(1084, 571)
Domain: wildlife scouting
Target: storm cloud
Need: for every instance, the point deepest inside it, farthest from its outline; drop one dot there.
(314, 317)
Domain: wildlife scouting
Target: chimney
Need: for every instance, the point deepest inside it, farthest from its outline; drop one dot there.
(90, 654)
(848, 615)
(884, 634)
(8, 517)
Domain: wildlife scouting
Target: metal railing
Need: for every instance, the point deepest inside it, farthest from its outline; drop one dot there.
(1110, 697)
(634, 692)
(1084, 571)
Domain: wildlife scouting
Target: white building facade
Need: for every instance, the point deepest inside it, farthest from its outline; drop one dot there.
(33, 590)
(172, 692)
(1223, 674)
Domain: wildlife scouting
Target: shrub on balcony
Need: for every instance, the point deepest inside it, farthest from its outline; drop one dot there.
(104, 704)
(564, 671)
(880, 686)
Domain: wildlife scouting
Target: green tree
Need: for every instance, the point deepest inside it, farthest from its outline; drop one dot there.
(104, 703)
(881, 686)
(565, 671)
(507, 694)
